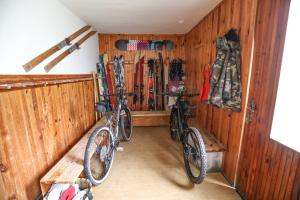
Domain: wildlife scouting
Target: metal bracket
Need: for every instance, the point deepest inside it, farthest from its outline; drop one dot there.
(73, 48)
(62, 44)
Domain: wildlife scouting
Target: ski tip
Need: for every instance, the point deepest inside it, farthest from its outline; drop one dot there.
(105, 58)
(27, 67)
(137, 57)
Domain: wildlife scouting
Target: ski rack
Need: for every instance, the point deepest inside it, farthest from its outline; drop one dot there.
(132, 62)
(66, 42)
(67, 52)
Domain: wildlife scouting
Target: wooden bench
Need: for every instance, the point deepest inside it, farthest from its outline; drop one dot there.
(150, 118)
(69, 167)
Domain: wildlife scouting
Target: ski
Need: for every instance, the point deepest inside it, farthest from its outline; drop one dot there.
(109, 83)
(66, 42)
(135, 81)
(151, 65)
(162, 84)
(67, 52)
(122, 76)
(141, 63)
(119, 74)
(102, 81)
(166, 81)
(156, 83)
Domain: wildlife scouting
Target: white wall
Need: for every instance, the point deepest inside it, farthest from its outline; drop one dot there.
(29, 27)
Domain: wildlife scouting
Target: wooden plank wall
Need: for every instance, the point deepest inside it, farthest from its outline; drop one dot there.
(37, 126)
(107, 45)
(267, 169)
(200, 51)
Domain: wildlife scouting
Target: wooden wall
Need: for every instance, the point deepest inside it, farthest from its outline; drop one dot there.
(200, 51)
(267, 169)
(107, 45)
(37, 126)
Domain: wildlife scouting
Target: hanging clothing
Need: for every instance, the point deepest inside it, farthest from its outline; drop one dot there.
(225, 81)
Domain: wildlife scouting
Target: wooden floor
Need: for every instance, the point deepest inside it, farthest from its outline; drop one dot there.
(151, 167)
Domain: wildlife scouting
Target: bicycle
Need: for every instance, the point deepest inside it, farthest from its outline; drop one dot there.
(103, 142)
(194, 154)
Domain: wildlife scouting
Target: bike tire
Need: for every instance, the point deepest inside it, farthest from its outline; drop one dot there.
(199, 163)
(90, 162)
(174, 125)
(126, 124)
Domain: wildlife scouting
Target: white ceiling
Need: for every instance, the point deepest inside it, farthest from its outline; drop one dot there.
(141, 16)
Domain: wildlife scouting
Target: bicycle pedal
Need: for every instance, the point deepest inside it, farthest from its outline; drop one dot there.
(120, 149)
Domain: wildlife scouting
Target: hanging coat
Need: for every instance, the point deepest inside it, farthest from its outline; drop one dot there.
(225, 81)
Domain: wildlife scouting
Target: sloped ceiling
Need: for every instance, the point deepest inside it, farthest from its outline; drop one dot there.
(141, 16)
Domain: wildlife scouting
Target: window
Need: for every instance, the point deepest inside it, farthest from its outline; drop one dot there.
(286, 120)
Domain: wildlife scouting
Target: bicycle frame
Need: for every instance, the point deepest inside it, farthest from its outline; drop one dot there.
(179, 109)
(114, 118)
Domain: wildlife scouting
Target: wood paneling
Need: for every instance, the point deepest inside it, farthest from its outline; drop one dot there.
(37, 126)
(107, 45)
(267, 169)
(200, 49)
(150, 118)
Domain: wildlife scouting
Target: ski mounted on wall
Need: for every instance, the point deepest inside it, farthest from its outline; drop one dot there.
(135, 80)
(138, 81)
(66, 42)
(67, 52)
(119, 76)
(142, 60)
(103, 85)
(110, 84)
(162, 82)
(166, 81)
(140, 45)
(151, 103)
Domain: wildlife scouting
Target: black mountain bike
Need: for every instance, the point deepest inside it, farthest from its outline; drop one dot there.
(103, 142)
(194, 154)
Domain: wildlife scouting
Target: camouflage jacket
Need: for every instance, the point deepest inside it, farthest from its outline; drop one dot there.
(225, 81)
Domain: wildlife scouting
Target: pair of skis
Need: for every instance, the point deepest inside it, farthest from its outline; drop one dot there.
(138, 82)
(119, 75)
(156, 101)
(66, 42)
(104, 81)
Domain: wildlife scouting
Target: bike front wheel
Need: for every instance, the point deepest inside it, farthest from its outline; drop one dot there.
(126, 123)
(194, 154)
(99, 155)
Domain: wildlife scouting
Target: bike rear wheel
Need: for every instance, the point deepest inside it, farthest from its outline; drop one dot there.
(99, 155)
(126, 124)
(194, 154)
